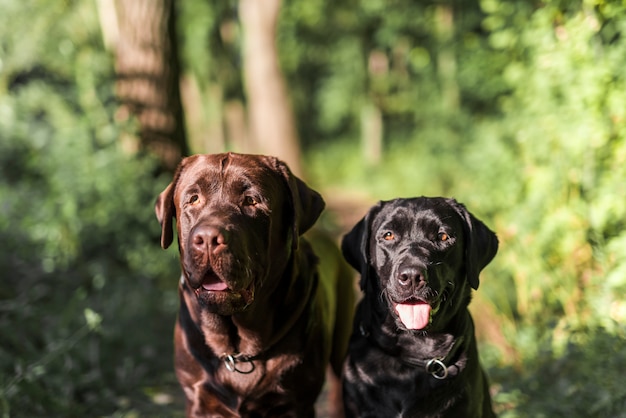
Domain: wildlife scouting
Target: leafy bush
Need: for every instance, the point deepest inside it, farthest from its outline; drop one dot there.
(582, 381)
(544, 166)
(515, 108)
(87, 300)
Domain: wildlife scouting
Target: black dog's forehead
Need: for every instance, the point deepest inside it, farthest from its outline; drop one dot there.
(417, 213)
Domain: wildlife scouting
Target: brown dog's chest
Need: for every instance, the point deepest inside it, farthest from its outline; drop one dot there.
(265, 386)
(256, 376)
(270, 381)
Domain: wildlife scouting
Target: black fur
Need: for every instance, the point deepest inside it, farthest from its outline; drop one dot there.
(427, 252)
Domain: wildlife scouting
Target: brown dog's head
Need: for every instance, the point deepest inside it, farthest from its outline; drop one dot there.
(238, 219)
(422, 254)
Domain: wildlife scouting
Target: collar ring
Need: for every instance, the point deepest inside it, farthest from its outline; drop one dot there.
(437, 368)
(231, 360)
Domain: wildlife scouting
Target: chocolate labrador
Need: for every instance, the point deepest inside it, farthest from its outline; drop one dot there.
(413, 351)
(261, 316)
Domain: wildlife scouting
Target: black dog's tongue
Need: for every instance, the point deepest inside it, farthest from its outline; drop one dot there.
(414, 315)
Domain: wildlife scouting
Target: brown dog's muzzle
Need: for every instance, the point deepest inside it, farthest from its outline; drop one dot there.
(207, 246)
(220, 279)
(208, 239)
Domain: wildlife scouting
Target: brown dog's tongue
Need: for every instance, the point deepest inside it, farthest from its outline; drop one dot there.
(215, 286)
(414, 315)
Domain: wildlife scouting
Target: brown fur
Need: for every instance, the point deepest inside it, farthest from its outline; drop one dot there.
(252, 286)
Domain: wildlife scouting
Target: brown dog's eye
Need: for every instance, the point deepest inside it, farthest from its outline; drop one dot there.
(443, 236)
(194, 199)
(249, 201)
(388, 236)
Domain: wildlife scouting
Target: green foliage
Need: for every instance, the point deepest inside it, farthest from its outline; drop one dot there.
(567, 127)
(515, 108)
(543, 162)
(582, 381)
(87, 300)
(536, 149)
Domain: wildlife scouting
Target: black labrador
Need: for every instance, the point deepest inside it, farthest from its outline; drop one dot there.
(413, 351)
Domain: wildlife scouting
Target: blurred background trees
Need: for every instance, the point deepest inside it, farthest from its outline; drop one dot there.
(142, 37)
(516, 108)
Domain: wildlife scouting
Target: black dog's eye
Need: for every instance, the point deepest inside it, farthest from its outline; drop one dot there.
(442, 236)
(249, 201)
(388, 236)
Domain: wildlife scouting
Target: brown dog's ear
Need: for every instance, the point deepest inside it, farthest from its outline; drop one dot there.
(307, 204)
(355, 244)
(164, 206)
(481, 244)
(165, 212)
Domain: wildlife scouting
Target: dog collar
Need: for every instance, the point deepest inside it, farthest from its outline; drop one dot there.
(231, 361)
(437, 367)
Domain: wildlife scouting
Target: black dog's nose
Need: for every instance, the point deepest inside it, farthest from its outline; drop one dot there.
(209, 238)
(411, 276)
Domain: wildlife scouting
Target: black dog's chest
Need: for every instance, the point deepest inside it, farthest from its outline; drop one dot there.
(399, 385)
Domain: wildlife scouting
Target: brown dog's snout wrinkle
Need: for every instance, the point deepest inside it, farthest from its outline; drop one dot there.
(208, 239)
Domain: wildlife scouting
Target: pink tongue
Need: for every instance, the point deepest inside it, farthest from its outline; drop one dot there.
(215, 286)
(414, 315)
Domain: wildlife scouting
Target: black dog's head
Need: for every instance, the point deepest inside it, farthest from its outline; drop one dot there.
(238, 218)
(422, 254)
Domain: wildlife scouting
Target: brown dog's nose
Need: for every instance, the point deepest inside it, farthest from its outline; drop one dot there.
(411, 276)
(209, 238)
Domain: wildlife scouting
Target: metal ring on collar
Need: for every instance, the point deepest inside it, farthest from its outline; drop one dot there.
(437, 369)
(229, 362)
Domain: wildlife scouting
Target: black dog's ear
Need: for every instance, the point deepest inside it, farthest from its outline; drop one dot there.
(481, 244)
(355, 244)
(307, 203)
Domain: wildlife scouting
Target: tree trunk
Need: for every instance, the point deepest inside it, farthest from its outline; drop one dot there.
(203, 115)
(148, 73)
(271, 120)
